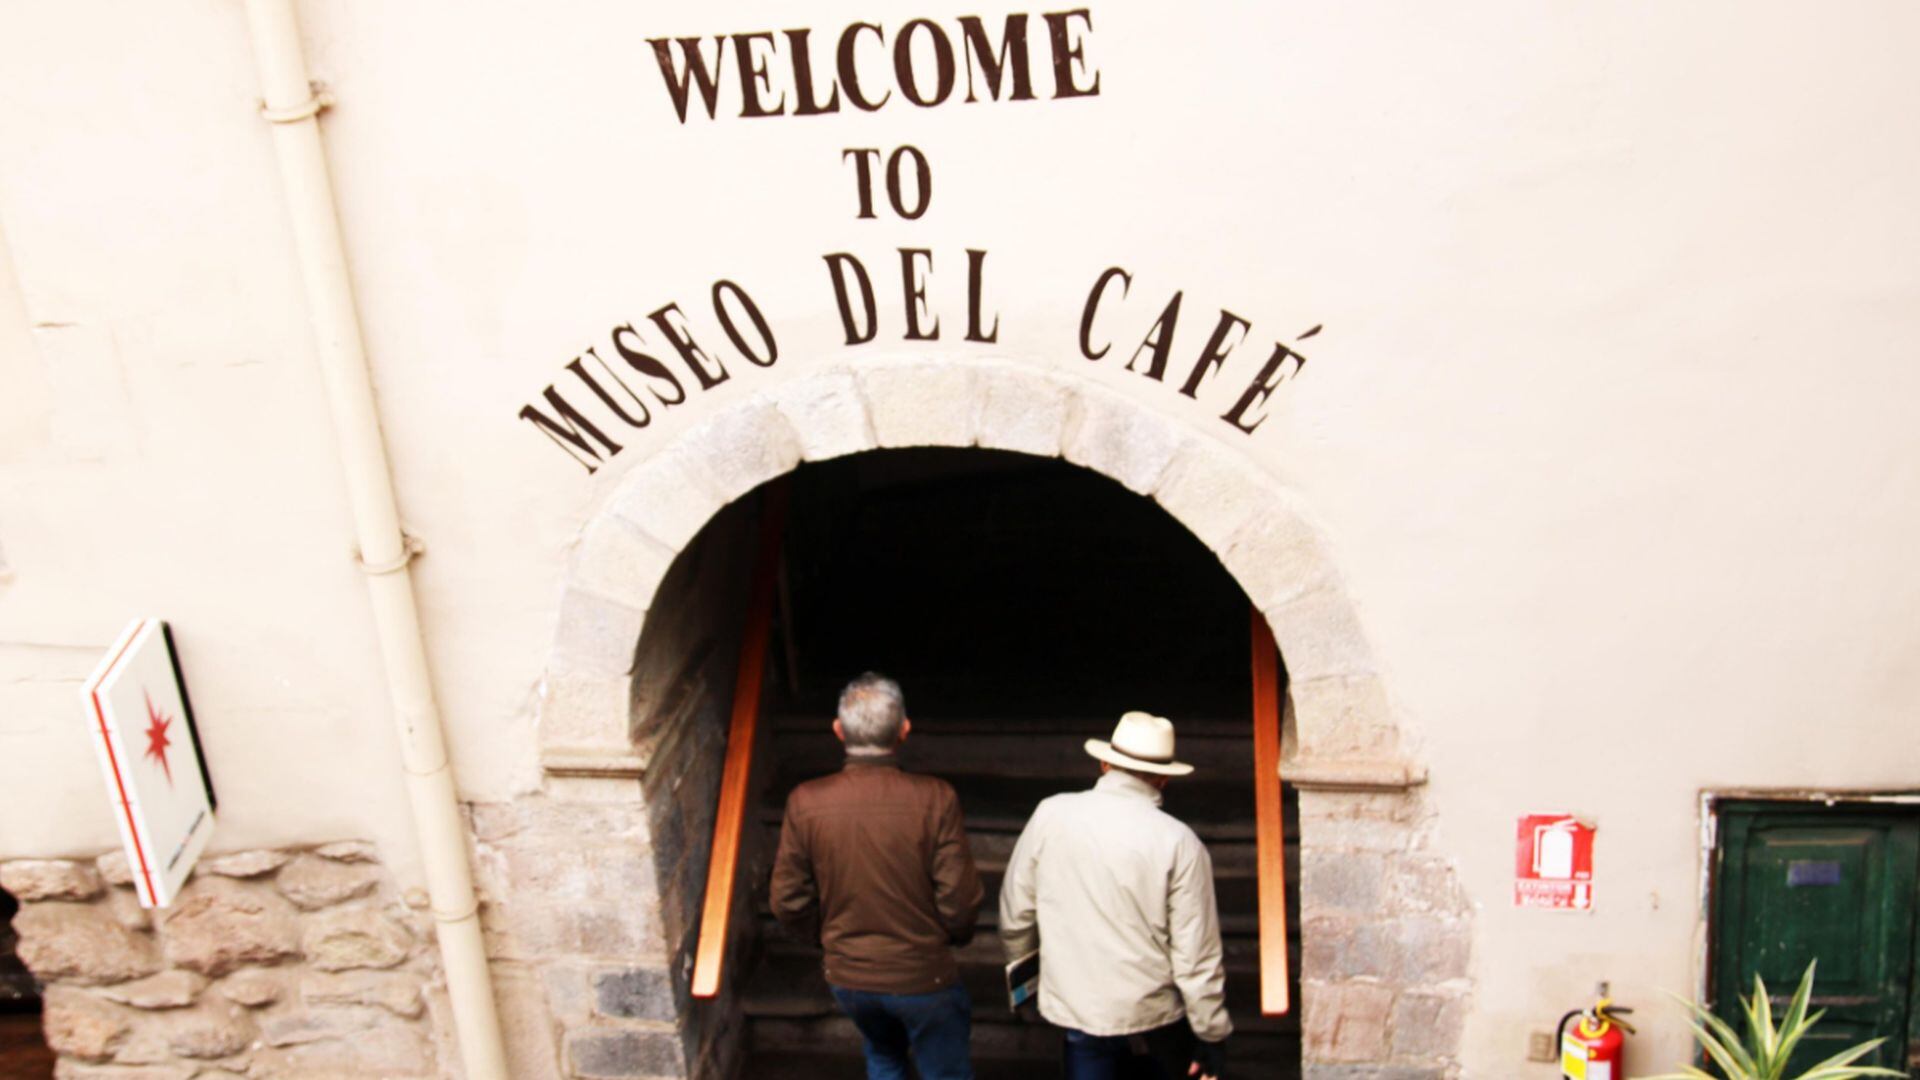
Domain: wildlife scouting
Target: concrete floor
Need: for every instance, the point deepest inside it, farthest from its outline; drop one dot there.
(23, 1051)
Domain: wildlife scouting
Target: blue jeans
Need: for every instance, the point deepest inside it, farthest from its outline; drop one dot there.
(936, 1029)
(1149, 1055)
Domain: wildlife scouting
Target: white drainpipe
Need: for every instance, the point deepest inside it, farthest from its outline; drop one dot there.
(292, 105)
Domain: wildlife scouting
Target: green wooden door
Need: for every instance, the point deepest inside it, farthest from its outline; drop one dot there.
(1796, 883)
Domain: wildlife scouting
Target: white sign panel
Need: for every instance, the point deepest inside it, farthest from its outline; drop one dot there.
(142, 724)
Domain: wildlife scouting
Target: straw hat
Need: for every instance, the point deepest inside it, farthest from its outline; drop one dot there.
(1142, 742)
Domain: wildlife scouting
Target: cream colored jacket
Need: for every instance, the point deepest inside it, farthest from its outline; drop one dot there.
(1118, 895)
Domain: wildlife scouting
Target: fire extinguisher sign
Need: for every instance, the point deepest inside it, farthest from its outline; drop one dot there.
(1554, 868)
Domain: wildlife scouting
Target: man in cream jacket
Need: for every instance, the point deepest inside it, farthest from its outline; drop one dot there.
(1117, 896)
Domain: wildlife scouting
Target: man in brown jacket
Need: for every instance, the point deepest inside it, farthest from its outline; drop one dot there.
(874, 863)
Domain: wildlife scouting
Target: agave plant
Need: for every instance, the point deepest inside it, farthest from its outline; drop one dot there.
(1763, 1054)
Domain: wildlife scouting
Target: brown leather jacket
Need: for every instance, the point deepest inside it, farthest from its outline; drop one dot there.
(874, 863)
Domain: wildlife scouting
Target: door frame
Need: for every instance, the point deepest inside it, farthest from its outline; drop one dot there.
(1711, 803)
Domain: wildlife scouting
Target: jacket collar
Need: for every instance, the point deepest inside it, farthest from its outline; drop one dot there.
(865, 761)
(1116, 782)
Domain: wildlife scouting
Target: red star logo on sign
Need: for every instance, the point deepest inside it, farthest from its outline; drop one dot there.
(157, 741)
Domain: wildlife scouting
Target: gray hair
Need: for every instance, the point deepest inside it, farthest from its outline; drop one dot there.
(871, 711)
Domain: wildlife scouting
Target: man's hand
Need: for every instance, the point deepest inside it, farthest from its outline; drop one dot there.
(1209, 1060)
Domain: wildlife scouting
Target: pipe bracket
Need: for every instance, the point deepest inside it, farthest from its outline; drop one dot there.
(306, 110)
(410, 546)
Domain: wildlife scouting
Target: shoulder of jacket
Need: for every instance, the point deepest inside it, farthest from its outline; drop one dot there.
(807, 791)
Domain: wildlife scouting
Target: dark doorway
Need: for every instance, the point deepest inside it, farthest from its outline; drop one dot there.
(1023, 604)
(23, 1049)
(1800, 882)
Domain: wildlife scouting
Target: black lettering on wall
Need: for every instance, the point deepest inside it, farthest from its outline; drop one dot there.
(1009, 59)
(849, 72)
(1159, 340)
(976, 273)
(1067, 52)
(942, 63)
(1093, 305)
(916, 294)
(682, 341)
(838, 264)
(1216, 350)
(1262, 387)
(571, 432)
(651, 366)
(808, 105)
(606, 399)
(862, 176)
(922, 183)
(753, 76)
(695, 73)
(721, 290)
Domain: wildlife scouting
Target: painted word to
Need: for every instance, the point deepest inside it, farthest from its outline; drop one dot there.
(864, 68)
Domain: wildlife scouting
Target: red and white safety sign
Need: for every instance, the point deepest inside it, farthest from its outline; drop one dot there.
(1554, 864)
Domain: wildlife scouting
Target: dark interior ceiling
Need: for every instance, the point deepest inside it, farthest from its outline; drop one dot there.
(997, 584)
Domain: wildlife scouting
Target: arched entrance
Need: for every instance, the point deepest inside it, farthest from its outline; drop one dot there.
(1384, 926)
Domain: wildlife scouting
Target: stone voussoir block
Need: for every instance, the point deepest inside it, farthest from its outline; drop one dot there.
(1277, 555)
(31, 880)
(828, 413)
(668, 497)
(745, 446)
(1213, 491)
(1026, 411)
(1320, 635)
(1122, 440)
(598, 634)
(585, 710)
(1344, 716)
(82, 943)
(919, 404)
(616, 558)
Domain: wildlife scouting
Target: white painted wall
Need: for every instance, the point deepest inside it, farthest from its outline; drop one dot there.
(1610, 423)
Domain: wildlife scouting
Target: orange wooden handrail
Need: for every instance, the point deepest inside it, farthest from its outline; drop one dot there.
(1270, 821)
(710, 956)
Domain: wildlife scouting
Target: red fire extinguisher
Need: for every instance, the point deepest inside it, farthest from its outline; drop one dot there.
(1595, 1047)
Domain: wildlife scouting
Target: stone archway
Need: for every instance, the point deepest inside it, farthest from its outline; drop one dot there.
(1384, 970)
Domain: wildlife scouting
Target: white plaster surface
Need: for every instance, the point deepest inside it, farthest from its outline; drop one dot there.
(1609, 431)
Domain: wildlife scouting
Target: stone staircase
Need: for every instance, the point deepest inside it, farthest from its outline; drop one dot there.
(1001, 769)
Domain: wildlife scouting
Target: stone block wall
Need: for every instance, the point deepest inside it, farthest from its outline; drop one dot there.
(1385, 938)
(293, 963)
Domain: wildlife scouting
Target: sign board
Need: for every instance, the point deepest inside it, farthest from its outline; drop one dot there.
(1553, 867)
(136, 706)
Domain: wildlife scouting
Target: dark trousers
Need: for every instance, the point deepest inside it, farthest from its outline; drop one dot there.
(1161, 1054)
(936, 1029)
